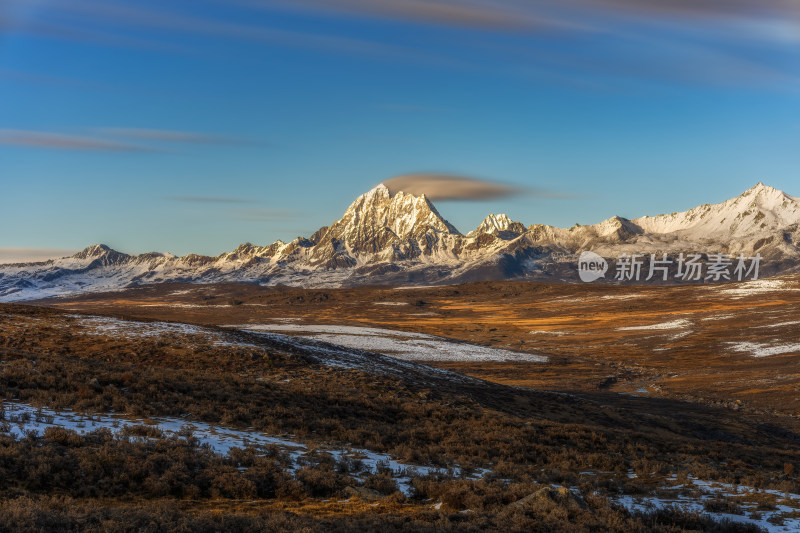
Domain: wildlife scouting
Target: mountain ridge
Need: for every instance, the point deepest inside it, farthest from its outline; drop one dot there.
(402, 238)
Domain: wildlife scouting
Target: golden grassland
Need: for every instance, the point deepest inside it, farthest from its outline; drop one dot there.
(576, 326)
(528, 440)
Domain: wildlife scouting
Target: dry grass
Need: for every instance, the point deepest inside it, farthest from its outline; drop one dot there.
(588, 349)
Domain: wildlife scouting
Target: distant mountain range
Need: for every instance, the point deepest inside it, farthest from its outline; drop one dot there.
(402, 239)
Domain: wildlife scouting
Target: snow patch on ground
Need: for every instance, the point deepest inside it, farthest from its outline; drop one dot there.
(191, 306)
(780, 324)
(101, 325)
(758, 349)
(622, 296)
(113, 327)
(20, 419)
(750, 288)
(402, 345)
(785, 511)
(673, 324)
(718, 317)
(334, 355)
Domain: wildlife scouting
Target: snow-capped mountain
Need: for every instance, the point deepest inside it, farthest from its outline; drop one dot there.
(757, 209)
(402, 239)
(495, 224)
(379, 226)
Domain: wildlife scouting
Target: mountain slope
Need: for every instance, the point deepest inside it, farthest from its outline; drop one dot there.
(378, 226)
(761, 208)
(402, 239)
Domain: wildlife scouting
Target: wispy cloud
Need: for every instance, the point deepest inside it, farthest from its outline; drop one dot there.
(62, 141)
(118, 23)
(209, 199)
(38, 78)
(111, 139)
(411, 108)
(471, 13)
(706, 8)
(531, 15)
(146, 134)
(444, 187)
(28, 255)
(600, 41)
(257, 214)
(250, 214)
(587, 32)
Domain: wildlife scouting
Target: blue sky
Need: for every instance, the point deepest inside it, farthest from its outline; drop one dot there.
(194, 126)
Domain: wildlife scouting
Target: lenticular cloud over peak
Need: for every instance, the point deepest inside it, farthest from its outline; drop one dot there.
(440, 187)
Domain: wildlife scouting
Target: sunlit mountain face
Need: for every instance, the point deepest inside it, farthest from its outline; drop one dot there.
(400, 238)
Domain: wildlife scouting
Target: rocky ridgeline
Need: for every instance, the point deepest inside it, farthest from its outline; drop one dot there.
(400, 238)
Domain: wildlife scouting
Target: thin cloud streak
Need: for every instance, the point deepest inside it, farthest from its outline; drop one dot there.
(209, 199)
(78, 31)
(651, 58)
(717, 26)
(110, 139)
(726, 21)
(78, 18)
(449, 187)
(257, 214)
(249, 214)
(528, 15)
(723, 9)
(34, 77)
(61, 141)
(410, 108)
(469, 13)
(31, 255)
(146, 134)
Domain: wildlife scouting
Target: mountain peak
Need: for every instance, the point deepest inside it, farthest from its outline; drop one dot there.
(759, 188)
(95, 250)
(498, 223)
(99, 254)
(379, 219)
(763, 192)
(402, 213)
(757, 209)
(377, 193)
